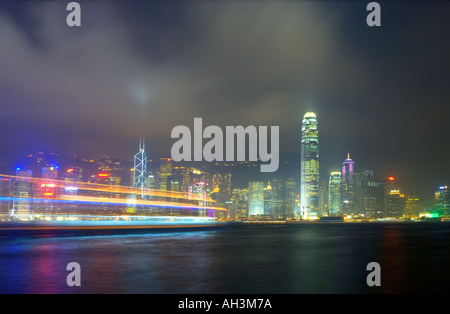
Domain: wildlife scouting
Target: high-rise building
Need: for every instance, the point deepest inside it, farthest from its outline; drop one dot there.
(413, 207)
(240, 204)
(309, 167)
(140, 166)
(6, 190)
(282, 196)
(50, 173)
(323, 198)
(221, 186)
(165, 171)
(268, 199)
(22, 190)
(255, 198)
(348, 186)
(394, 199)
(441, 202)
(74, 174)
(369, 195)
(334, 193)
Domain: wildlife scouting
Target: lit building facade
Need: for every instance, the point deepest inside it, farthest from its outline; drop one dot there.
(239, 208)
(282, 198)
(334, 193)
(255, 198)
(309, 167)
(165, 171)
(221, 187)
(413, 207)
(441, 202)
(394, 199)
(369, 195)
(348, 186)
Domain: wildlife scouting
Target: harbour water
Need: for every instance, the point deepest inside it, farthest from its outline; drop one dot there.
(258, 259)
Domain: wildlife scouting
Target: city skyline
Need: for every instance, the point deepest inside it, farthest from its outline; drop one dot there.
(378, 105)
(359, 191)
(288, 172)
(230, 154)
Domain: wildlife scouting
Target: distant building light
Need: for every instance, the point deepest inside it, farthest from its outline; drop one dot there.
(70, 170)
(444, 187)
(391, 178)
(18, 169)
(103, 175)
(48, 185)
(71, 189)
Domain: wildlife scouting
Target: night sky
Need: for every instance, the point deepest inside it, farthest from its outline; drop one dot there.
(136, 70)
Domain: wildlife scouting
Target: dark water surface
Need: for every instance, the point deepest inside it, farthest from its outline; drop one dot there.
(289, 259)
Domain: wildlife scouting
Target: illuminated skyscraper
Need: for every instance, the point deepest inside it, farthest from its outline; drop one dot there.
(394, 199)
(255, 198)
(140, 167)
(50, 173)
(369, 195)
(348, 186)
(221, 186)
(22, 189)
(413, 207)
(165, 171)
(334, 193)
(282, 196)
(240, 204)
(309, 172)
(441, 202)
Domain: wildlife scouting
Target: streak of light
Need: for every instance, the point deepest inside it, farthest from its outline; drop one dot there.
(111, 201)
(114, 188)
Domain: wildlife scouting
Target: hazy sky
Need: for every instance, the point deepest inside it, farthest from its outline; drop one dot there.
(139, 69)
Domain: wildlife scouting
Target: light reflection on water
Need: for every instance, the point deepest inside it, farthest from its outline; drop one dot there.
(307, 258)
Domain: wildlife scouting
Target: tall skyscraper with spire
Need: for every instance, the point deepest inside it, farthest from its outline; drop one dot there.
(348, 186)
(309, 167)
(140, 166)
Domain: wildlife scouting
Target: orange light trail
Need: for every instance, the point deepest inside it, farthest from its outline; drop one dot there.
(114, 189)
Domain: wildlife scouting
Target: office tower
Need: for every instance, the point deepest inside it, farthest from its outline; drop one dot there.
(173, 184)
(441, 202)
(268, 199)
(255, 198)
(334, 193)
(394, 199)
(74, 174)
(323, 198)
(413, 207)
(6, 191)
(151, 181)
(165, 171)
(221, 187)
(309, 167)
(282, 196)
(140, 167)
(369, 195)
(239, 209)
(50, 173)
(22, 190)
(348, 186)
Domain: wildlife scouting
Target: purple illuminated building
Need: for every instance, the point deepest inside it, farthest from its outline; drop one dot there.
(348, 186)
